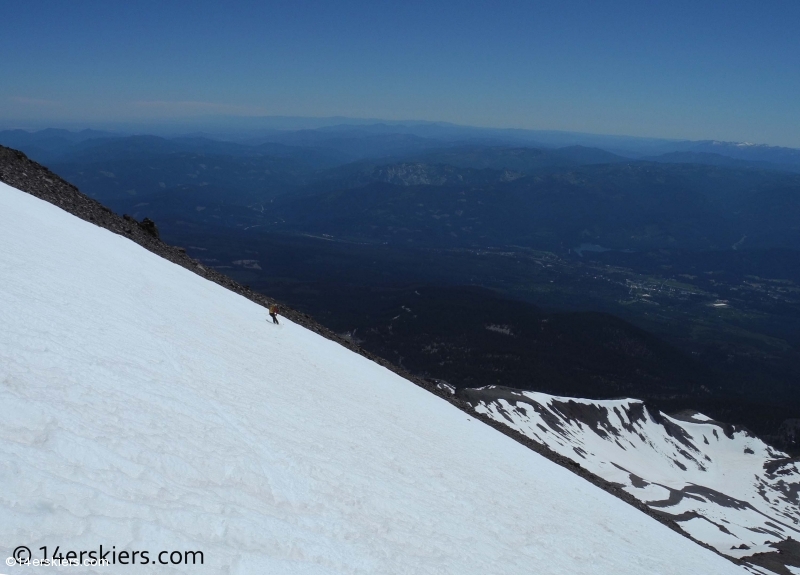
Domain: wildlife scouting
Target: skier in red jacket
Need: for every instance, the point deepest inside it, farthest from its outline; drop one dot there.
(273, 311)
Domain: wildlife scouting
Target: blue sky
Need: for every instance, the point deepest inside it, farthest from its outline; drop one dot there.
(699, 70)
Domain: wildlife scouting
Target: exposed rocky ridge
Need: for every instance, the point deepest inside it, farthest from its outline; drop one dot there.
(18, 171)
(789, 435)
(725, 486)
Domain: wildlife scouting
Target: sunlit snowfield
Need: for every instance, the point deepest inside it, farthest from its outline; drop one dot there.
(149, 409)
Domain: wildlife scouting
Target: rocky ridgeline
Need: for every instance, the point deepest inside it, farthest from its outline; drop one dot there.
(723, 485)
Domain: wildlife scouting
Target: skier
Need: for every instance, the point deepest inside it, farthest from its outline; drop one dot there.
(273, 311)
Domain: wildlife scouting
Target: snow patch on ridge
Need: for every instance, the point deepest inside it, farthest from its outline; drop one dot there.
(724, 486)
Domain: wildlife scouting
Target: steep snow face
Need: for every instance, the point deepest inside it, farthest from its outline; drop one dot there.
(149, 409)
(725, 487)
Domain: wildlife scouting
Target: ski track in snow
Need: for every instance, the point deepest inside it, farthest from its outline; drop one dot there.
(715, 485)
(147, 408)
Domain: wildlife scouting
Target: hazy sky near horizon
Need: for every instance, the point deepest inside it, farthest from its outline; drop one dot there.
(727, 70)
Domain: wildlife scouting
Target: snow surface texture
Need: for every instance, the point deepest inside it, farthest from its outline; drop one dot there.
(725, 487)
(149, 409)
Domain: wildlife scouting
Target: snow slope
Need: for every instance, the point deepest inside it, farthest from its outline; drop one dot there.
(149, 409)
(725, 487)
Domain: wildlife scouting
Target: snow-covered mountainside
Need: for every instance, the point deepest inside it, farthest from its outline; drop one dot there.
(724, 486)
(146, 408)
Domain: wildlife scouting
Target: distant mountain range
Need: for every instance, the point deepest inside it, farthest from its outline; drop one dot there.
(361, 139)
(571, 196)
(621, 206)
(745, 151)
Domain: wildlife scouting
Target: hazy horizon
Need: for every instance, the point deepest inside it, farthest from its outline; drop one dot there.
(722, 71)
(227, 127)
